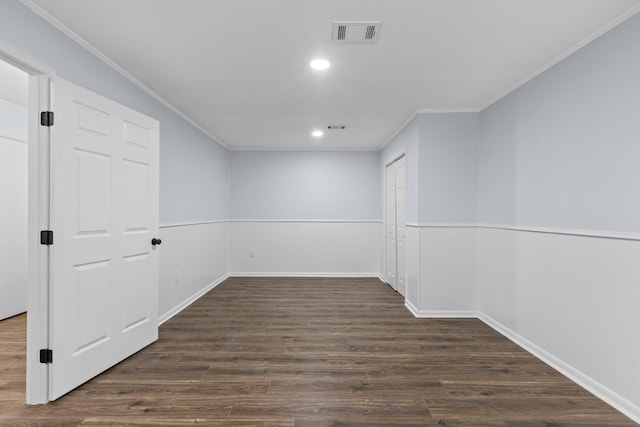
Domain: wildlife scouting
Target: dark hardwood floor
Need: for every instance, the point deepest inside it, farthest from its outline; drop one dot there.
(311, 352)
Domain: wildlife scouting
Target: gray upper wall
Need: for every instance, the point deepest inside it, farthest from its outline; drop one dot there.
(442, 167)
(193, 167)
(306, 185)
(559, 152)
(448, 176)
(562, 151)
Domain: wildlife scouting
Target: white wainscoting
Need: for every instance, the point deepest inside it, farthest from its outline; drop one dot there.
(571, 300)
(441, 268)
(570, 297)
(305, 248)
(412, 256)
(194, 258)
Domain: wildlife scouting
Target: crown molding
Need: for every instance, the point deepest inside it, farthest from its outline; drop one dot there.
(400, 129)
(104, 58)
(447, 110)
(591, 37)
(306, 149)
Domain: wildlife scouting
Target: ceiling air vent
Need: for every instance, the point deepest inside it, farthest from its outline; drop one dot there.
(356, 31)
(336, 127)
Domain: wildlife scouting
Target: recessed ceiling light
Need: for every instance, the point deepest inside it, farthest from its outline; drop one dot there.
(317, 133)
(320, 64)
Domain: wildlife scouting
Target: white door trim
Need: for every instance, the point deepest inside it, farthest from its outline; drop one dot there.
(38, 255)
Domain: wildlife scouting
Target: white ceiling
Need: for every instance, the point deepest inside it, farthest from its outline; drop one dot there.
(240, 68)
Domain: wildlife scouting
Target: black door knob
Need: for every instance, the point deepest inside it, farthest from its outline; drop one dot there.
(155, 241)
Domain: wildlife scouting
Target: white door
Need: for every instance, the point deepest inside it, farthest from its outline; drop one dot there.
(390, 225)
(104, 215)
(401, 231)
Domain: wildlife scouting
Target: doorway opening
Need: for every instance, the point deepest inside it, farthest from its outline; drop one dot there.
(395, 223)
(26, 144)
(14, 136)
(98, 189)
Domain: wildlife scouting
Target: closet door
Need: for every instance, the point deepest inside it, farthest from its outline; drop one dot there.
(401, 226)
(390, 226)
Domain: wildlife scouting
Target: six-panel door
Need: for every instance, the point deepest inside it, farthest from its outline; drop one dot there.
(104, 214)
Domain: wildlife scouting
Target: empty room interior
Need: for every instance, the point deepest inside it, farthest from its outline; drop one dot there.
(356, 212)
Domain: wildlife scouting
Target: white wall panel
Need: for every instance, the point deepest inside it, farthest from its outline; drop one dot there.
(13, 227)
(413, 266)
(305, 248)
(13, 119)
(497, 274)
(193, 258)
(447, 269)
(574, 298)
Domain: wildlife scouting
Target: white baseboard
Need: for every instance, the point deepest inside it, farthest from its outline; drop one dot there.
(303, 274)
(618, 402)
(435, 314)
(412, 308)
(193, 298)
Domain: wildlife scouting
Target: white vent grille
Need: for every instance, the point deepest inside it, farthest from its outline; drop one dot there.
(356, 31)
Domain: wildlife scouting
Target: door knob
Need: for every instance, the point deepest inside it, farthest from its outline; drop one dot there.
(155, 241)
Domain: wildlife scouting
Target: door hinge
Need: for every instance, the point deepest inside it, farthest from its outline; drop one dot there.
(46, 237)
(46, 118)
(46, 355)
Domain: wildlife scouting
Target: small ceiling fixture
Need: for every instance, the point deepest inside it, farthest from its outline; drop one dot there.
(356, 31)
(320, 64)
(317, 133)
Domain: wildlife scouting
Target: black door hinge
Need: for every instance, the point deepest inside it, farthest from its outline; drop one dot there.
(46, 118)
(46, 356)
(46, 237)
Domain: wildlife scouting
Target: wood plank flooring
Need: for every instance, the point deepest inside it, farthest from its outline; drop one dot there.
(311, 352)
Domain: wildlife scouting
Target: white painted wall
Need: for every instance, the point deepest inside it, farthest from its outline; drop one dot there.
(14, 85)
(447, 270)
(193, 259)
(305, 248)
(13, 227)
(414, 287)
(442, 271)
(13, 190)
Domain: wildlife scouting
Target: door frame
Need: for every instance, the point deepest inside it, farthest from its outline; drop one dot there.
(40, 82)
(394, 159)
